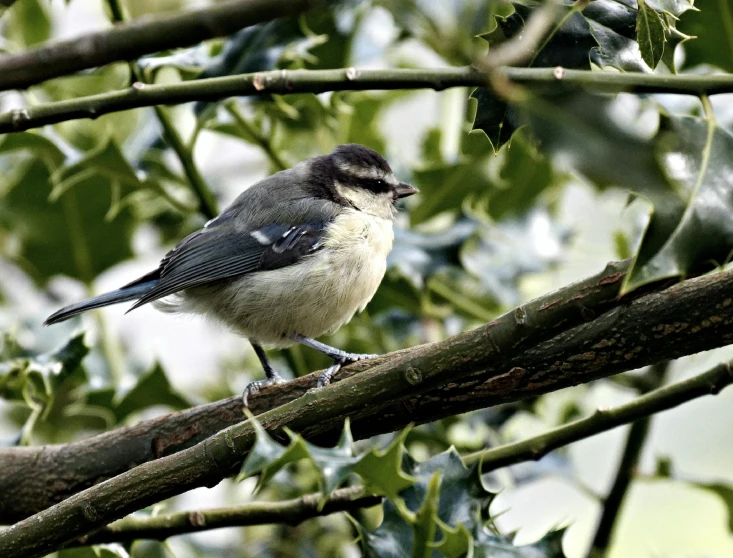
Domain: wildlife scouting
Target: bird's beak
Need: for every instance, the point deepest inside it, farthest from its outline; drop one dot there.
(403, 190)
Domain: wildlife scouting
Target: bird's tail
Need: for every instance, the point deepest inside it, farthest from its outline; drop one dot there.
(126, 293)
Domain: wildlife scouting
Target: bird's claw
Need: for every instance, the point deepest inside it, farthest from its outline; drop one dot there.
(255, 387)
(347, 358)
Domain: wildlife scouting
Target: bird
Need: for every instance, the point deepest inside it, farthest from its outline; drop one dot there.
(293, 257)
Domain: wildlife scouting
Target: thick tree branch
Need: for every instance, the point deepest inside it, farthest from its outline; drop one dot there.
(290, 512)
(143, 36)
(711, 382)
(348, 79)
(692, 316)
(35, 478)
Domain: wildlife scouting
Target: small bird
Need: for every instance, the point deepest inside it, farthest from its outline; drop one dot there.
(295, 256)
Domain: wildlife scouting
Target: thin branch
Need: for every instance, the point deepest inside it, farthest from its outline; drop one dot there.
(660, 399)
(632, 334)
(290, 512)
(143, 36)
(635, 440)
(285, 82)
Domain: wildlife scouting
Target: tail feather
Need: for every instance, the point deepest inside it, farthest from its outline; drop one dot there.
(124, 294)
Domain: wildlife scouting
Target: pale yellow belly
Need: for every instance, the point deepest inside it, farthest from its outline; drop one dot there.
(313, 297)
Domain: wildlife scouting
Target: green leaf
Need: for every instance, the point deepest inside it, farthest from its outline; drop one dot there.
(577, 128)
(696, 155)
(457, 541)
(712, 27)
(381, 470)
(725, 491)
(35, 143)
(30, 23)
(650, 34)
(152, 389)
(425, 525)
(491, 545)
(37, 379)
(459, 499)
(69, 234)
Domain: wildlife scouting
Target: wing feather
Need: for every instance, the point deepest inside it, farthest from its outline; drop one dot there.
(220, 251)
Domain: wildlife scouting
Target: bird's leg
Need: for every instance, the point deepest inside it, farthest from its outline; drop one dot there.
(271, 376)
(340, 358)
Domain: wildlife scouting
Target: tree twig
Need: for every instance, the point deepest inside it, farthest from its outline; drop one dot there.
(144, 36)
(290, 512)
(632, 334)
(284, 82)
(710, 382)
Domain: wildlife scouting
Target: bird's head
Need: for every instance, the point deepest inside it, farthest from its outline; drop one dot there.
(361, 178)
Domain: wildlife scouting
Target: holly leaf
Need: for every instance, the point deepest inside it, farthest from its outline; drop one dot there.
(711, 25)
(696, 155)
(382, 470)
(69, 233)
(36, 379)
(490, 545)
(650, 34)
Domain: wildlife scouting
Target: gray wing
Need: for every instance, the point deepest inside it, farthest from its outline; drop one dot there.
(220, 251)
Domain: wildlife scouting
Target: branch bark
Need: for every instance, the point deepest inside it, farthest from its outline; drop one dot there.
(689, 317)
(143, 36)
(284, 82)
(290, 512)
(35, 478)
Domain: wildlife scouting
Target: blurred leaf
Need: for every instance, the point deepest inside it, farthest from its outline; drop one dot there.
(500, 255)
(68, 234)
(152, 389)
(448, 28)
(490, 545)
(96, 551)
(456, 542)
(37, 144)
(37, 379)
(696, 155)
(650, 34)
(578, 128)
(712, 27)
(674, 7)
(29, 23)
(725, 492)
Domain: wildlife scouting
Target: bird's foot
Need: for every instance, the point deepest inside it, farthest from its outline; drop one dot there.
(255, 387)
(341, 360)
